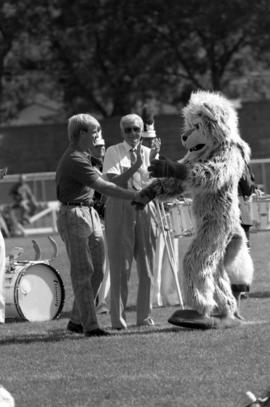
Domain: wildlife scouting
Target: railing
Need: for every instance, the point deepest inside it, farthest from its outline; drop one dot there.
(261, 170)
(41, 183)
(52, 208)
(43, 187)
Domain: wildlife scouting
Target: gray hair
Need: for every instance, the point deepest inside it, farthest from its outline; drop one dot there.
(77, 123)
(129, 118)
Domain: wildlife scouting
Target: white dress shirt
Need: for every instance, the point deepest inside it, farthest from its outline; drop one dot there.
(117, 160)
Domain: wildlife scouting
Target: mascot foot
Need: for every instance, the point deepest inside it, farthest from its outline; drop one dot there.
(192, 319)
(239, 316)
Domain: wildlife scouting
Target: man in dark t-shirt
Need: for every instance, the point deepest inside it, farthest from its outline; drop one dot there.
(78, 222)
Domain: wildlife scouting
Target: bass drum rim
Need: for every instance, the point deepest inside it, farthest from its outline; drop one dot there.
(21, 274)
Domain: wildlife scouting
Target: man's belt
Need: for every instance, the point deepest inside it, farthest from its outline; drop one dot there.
(77, 204)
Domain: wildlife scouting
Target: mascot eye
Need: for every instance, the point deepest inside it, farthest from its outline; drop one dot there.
(197, 126)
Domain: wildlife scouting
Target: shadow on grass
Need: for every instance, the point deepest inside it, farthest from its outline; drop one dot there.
(259, 294)
(63, 315)
(57, 335)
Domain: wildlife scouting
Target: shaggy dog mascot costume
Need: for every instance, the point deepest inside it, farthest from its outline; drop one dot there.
(218, 255)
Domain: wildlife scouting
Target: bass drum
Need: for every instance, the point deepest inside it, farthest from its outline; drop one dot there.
(34, 292)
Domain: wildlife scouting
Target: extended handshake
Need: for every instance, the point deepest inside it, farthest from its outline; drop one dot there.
(159, 168)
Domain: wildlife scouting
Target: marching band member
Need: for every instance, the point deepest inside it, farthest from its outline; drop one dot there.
(164, 291)
(2, 266)
(101, 257)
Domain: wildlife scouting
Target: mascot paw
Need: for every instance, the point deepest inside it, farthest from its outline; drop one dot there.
(239, 316)
(192, 319)
(143, 198)
(167, 168)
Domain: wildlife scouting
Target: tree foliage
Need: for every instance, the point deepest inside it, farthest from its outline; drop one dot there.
(104, 56)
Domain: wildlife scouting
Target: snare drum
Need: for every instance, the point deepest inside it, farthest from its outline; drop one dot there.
(260, 212)
(181, 218)
(34, 291)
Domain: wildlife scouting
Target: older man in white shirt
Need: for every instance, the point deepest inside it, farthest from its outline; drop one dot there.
(130, 233)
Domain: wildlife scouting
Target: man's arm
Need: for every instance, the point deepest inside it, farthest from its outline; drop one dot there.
(111, 189)
(122, 179)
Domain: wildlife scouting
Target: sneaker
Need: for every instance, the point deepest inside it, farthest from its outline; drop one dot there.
(74, 328)
(146, 322)
(97, 332)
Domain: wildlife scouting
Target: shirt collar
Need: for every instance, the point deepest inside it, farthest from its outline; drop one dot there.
(128, 147)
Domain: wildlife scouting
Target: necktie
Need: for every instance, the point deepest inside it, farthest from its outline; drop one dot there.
(136, 178)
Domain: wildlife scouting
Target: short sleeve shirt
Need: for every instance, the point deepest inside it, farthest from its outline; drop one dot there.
(117, 161)
(75, 176)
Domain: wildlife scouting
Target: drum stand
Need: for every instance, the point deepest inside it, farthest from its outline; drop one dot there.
(166, 232)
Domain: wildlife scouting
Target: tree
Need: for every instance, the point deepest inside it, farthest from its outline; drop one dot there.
(23, 54)
(105, 55)
(102, 57)
(204, 42)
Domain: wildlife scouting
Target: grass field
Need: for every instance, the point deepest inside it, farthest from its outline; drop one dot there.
(42, 365)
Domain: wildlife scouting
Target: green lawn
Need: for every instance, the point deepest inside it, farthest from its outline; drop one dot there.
(42, 365)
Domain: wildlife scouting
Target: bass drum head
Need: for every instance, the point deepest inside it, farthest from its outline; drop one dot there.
(39, 293)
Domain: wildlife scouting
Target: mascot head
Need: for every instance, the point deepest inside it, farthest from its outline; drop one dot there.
(210, 121)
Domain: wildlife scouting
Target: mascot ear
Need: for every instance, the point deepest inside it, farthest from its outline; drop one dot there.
(208, 112)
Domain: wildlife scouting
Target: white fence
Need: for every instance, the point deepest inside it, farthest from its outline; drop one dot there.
(43, 187)
(51, 210)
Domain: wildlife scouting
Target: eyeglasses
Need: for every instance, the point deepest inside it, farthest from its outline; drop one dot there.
(128, 130)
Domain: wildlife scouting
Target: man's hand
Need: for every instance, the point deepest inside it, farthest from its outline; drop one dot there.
(140, 201)
(139, 157)
(167, 168)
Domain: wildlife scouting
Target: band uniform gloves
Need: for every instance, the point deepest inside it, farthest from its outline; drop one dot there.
(166, 168)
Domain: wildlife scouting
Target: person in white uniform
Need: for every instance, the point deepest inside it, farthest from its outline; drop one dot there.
(2, 266)
(2, 278)
(164, 289)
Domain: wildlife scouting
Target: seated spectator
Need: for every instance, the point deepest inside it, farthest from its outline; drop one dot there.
(24, 200)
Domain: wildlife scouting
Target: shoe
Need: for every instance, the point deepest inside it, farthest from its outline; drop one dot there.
(97, 332)
(146, 322)
(122, 325)
(75, 328)
(121, 328)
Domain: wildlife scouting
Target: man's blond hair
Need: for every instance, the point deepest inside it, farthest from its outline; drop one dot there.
(79, 122)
